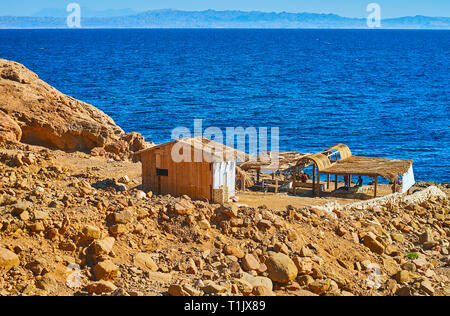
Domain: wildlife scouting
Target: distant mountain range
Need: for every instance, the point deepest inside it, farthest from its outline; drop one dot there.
(213, 19)
(87, 13)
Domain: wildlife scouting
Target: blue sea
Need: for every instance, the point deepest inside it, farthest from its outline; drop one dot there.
(384, 93)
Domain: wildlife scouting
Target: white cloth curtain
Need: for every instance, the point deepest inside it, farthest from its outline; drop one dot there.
(225, 175)
(408, 180)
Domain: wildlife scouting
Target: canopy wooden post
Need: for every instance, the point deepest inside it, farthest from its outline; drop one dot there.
(294, 181)
(394, 188)
(314, 180)
(318, 182)
(376, 186)
(335, 181)
(328, 181)
(273, 175)
(258, 174)
(350, 181)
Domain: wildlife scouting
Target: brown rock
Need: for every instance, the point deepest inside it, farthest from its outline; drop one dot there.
(249, 263)
(183, 207)
(403, 276)
(101, 287)
(8, 260)
(123, 217)
(9, 129)
(404, 291)
(230, 210)
(320, 287)
(373, 244)
(92, 232)
(213, 288)
(305, 280)
(48, 117)
(341, 231)
(159, 277)
(426, 237)
(177, 290)
(258, 281)
(306, 252)
(104, 246)
(262, 291)
(398, 237)
(49, 283)
(243, 287)
(234, 251)
(391, 266)
(37, 227)
(105, 270)
(118, 229)
(280, 268)
(280, 247)
(145, 262)
(304, 265)
(421, 263)
(427, 287)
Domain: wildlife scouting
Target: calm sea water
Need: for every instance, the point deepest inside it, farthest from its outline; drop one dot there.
(384, 93)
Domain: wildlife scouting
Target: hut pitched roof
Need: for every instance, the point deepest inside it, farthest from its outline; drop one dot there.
(216, 151)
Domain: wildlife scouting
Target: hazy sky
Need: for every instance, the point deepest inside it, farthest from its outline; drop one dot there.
(350, 8)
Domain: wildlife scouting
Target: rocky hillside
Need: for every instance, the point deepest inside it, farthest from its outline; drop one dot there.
(33, 112)
(73, 224)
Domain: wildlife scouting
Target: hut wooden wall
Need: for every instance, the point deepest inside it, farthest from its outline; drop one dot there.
(185, 178)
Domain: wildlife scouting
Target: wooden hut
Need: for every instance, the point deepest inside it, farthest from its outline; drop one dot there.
(198, 167)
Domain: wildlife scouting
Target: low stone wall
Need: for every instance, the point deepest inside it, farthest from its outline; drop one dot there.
(398, 198)
(391, 199)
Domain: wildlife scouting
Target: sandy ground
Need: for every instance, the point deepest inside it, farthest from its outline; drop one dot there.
(303, 198)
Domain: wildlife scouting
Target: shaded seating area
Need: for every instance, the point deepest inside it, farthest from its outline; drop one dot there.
(338, 161)
(273, 164)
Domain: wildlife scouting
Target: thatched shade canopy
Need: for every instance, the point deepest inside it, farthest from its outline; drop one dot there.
(338, 161)
(369, 166)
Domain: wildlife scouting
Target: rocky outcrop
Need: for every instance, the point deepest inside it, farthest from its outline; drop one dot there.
(38, 114)
(9, 129)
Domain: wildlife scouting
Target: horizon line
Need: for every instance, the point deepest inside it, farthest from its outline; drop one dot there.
(227, 28)
(205, 10)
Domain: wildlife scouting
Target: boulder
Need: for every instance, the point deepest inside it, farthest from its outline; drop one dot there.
(281, 268)
(38, 114)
